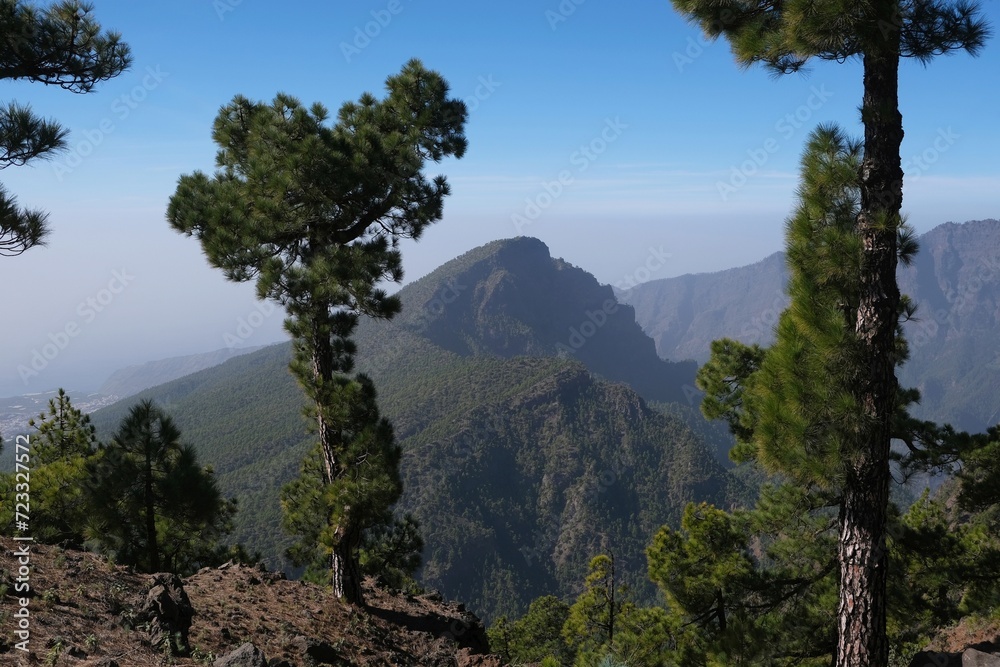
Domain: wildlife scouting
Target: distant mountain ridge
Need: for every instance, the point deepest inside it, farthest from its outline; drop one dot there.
(133, 379)
(683, 315)
(955, 352)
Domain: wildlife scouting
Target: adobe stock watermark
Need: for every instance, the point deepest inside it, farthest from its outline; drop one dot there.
(922, 162)
(121, 108)
(545, 536)
(247, 326)
(365, 34)
(925, 329)
(22, 521)
(223, 7)
(760, 328)
(581, 158)
(786, 127)
(434, 308)
(694, 48)
(562, 12)
(656, 259)
(484, 90)
(587, 329)
(87, 311)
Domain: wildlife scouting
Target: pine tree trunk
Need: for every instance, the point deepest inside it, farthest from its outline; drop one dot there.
(150, 505)
(862, 551)
(322, 367)
(344, 567)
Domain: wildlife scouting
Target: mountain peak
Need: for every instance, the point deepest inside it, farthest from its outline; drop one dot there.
(511, 297)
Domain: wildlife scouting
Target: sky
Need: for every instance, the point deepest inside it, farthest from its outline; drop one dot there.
(614, 132)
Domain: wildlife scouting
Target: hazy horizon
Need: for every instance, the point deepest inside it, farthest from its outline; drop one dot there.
(602, 130)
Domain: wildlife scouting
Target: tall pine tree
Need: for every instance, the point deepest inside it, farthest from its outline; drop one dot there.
(793, 411)
(793, 406)
(784, 36)
(315, 214)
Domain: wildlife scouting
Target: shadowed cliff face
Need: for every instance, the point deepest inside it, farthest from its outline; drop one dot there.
(516, 494)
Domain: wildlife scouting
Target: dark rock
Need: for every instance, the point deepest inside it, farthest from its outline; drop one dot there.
(168, 612)
(469, 632)
(105, 662)
(936, 659)
(247, 655)
(278, 662)
(432, 596)
(317, 653)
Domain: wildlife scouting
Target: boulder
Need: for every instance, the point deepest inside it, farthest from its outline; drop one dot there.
(247, 655)
(168, 612)
(975, 658)
(936, 659)
(316, 653)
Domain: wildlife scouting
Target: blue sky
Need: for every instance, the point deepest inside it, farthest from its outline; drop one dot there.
(612, 131)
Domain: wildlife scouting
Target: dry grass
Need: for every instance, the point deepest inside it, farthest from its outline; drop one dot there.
(83, 611)
(970, 632)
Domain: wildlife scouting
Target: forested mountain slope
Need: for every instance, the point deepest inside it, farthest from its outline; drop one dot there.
(522, 459)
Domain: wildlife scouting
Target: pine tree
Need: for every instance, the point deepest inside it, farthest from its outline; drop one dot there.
(605, 624)
(152, 505)
(793, 406)
(62, 433)
(535, 636)
(389, 548)
(315, 213)
(753, 587)
(592, 617)
(784, 36)
(60, 45)
(64, 443)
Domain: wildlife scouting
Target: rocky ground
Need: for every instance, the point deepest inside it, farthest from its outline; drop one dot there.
(970, 643)
(84, 611)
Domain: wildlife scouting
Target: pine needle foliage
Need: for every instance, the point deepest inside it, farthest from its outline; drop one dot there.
(784, 35)
(151, 505)
(314, 212)
(62, 445)
(793, 410)
(60, 45)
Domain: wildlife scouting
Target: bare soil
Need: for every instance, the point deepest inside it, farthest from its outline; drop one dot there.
(85, 611)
